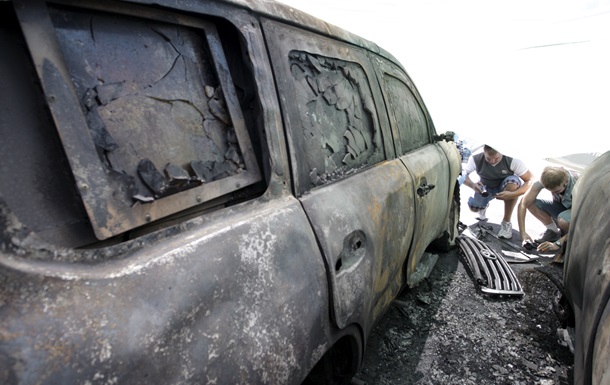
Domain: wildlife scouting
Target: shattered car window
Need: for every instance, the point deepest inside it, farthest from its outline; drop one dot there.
(337, 116)
(162, 113)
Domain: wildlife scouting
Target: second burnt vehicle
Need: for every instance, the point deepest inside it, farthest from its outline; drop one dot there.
(214, 192)
(586, 275)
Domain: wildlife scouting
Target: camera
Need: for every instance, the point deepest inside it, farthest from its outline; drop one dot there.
(484, 192)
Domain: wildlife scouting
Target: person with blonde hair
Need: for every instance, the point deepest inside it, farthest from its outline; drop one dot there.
(554, 214)
(501, 177)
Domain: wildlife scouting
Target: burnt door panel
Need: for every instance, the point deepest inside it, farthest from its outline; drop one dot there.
(425, 160)
(364, 224)
(360, 204)
(428, 167)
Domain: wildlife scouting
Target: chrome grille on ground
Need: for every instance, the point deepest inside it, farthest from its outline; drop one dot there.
(489, 268)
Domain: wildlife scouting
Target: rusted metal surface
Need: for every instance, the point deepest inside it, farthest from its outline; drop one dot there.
(432, 163)
(489, 268)
(587, 273)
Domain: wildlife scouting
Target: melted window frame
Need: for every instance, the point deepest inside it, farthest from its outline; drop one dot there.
(109, 215)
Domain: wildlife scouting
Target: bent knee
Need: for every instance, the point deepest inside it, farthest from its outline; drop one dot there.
(563, 224)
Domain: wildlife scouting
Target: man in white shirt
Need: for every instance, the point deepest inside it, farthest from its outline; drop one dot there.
(501, 177)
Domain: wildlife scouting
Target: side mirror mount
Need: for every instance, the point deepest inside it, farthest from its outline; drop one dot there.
(448, 136)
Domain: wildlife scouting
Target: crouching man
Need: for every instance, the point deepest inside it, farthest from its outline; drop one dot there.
(501, 177)
(554, 214)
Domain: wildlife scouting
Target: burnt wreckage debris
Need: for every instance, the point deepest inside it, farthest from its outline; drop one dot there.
(488, 267)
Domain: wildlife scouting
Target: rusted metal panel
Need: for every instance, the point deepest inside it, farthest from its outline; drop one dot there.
(434, 167)
(361, 209)
(192, 308)
(210, 300)
(333, 96)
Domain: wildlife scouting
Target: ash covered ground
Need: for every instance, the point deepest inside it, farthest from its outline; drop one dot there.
(447, 331)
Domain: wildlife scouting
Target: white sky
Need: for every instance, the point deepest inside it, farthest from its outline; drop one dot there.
(533, 75)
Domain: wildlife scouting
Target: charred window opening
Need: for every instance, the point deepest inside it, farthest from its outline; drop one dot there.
(152, 101)
(178, 73)
(147, 111)
(410, 118)
(338, 119)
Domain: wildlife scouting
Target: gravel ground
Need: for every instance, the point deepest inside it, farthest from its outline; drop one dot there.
(447, 331)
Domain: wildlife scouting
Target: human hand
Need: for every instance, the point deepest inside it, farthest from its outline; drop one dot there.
(503, 196)
(547, 246)
(529, 244)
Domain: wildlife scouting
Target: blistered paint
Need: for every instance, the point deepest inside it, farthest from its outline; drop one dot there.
(258, 255)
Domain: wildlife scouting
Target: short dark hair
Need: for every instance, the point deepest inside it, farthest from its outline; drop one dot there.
(489, 149)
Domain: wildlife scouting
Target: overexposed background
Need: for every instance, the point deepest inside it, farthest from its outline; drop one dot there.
(531, 76)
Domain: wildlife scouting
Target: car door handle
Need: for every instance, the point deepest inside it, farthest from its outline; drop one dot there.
(424, 188)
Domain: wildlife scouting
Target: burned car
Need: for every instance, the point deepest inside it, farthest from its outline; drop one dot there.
(587, 275)
(211, 192)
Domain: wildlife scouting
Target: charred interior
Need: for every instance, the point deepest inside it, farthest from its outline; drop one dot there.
(337, 115)
(169, 125)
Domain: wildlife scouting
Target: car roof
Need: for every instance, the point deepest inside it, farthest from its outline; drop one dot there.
(281, 12)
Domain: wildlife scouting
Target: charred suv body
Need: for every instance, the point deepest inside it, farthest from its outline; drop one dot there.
(213, 192)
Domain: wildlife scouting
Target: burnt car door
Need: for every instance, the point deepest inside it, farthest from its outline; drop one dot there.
(359, 203)
(427, 161)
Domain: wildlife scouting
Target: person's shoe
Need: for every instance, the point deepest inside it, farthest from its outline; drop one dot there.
(481, 214)
(548, 236)
(506, 230)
